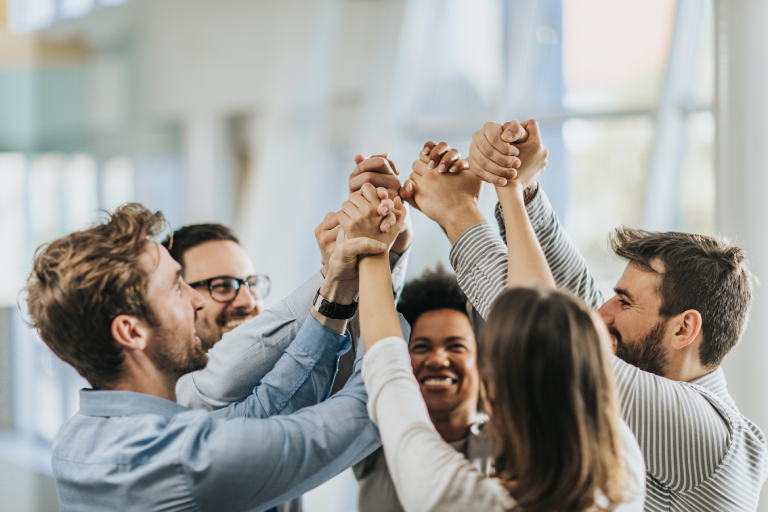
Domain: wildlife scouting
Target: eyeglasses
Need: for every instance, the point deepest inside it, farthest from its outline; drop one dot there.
(225, 288)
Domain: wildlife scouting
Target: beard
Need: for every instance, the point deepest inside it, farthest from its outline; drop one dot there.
(211, 332)
(647, 353)
(172, 356)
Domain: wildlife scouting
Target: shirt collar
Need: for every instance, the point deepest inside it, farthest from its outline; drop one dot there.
(713, 382)
(126, 403)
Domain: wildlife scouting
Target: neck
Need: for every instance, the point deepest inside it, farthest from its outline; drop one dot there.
(453, 425)
(684, 366)
(141, 376)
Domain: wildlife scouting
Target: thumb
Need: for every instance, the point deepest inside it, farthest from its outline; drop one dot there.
(360, 246)
(532, 130)
(408, 189)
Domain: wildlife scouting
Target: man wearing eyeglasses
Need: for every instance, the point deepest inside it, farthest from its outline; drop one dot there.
(214, 263)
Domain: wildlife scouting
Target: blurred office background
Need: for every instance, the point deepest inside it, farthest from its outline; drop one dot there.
(249, 112)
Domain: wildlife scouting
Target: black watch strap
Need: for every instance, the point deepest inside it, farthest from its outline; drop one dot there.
(332, 310)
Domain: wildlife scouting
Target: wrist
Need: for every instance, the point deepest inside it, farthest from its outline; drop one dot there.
(514, 191)
(461, 220)
(340, 292)
(530, 192)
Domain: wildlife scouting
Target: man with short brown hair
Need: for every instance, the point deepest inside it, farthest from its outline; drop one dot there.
(111, 302)
(668, 319)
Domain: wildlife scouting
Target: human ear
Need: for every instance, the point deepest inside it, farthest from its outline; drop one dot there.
(130, 332)
(687, 327)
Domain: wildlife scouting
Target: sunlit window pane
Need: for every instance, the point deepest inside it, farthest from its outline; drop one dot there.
(697, 182)
(704, 84)
(118, 182)
(610, 160)
(76, 8)
(12, 222)
(80, 191)
(454, 75)
(615, 52)
(32, 14)
(45, 198)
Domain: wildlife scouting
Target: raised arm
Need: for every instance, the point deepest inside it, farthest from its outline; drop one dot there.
(479, 256)
(260, 463)
(244, 356)
(358, 218)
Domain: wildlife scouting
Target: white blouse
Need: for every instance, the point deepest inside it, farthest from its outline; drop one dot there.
(429, 475)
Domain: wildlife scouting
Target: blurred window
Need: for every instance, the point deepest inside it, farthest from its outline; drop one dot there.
(25, 15)
(622, 90)
(44, 196)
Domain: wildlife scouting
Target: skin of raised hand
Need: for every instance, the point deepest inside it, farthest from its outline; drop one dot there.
(439, 196)
(360, 216)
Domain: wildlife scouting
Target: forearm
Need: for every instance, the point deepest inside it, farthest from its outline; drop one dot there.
(525, 259)
(456, 222)
(301, 377)
(378, 316)
(479, 258)
(568, 266)
(238, 362)
(266, 462)
(428, 473)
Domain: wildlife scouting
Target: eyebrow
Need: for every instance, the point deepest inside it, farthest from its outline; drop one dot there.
(622, 291)
(178, 277)
(429, 340)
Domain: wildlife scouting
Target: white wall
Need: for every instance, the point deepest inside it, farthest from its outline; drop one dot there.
(742, 185)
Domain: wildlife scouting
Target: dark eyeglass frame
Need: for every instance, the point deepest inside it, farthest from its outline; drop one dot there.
(240, 283)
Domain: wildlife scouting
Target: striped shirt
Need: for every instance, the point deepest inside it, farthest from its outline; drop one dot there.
(701, 453)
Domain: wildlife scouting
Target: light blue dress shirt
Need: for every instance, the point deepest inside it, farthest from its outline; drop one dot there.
(131, 451)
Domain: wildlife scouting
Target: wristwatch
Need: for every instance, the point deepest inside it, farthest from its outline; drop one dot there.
(332, 310)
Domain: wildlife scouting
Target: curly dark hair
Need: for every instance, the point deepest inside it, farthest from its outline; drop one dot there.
(433, 289)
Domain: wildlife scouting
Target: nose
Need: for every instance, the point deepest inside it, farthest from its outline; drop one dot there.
(607, 310)
(246, 300)
(198, 301)
(438, 359)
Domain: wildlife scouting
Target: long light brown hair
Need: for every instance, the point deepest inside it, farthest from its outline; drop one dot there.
(554, 412)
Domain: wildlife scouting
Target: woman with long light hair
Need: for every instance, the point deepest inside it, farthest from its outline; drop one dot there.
(548, 390)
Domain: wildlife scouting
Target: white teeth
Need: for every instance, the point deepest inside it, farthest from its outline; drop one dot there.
(234, 322)
(442, 383)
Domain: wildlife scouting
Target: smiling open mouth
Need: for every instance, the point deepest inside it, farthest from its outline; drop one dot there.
(434, 382)
(234, 322)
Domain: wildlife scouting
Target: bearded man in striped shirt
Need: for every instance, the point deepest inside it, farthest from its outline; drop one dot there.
(681, 305)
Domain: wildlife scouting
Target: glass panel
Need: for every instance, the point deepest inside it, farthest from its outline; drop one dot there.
(76, 8)
(697, 182)
(45, 198)
(704, 85)
(449, 75)
(610, 160)
(615, 53)
(80, 191)
(31, 14)
(12, 226)
(118, 182)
